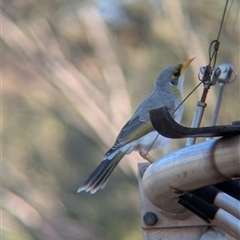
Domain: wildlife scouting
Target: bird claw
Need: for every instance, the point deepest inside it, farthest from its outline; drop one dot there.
(146, 156)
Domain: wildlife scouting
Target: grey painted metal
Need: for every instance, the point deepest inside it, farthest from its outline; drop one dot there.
(197, 120)
(225, 77)
(228, 203)
(218, 104)
(189, 168)
(222, 73)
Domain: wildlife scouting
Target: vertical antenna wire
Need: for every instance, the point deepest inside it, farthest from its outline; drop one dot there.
(222, 21)
(234, 24)
(214, 55)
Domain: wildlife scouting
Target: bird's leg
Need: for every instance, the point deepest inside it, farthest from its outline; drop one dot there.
(145, 155)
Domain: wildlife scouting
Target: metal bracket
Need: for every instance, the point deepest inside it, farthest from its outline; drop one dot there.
(164, 124)
(157, 225)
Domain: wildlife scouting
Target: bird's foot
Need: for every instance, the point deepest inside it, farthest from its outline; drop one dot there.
(146, 156)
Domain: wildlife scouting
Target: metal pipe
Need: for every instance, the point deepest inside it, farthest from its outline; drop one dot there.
(197, 120)
(218, 104)
(201, 105)
(228, 203)
(227, 222)
(192, 167)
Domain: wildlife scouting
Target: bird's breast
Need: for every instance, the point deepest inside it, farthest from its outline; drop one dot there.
(152, 140)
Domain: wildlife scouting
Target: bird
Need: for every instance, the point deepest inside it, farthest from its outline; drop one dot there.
(138, 133)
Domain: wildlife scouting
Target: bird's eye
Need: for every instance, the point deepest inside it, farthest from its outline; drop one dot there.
(176, 74)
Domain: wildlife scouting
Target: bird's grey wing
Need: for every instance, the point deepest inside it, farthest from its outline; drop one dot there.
(132, 130)
(139, 124)
(153, 101)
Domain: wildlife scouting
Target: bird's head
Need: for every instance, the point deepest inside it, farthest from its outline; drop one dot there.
(173, 76)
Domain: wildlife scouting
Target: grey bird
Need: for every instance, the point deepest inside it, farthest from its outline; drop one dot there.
(138, 133)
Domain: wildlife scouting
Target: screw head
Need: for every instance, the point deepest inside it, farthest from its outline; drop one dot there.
(218, 72)
(150, 218)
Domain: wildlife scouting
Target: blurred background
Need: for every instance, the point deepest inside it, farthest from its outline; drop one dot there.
(72, 74)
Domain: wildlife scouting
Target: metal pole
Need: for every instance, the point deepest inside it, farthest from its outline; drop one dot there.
(219, 100)
(197, 120)
(206, 72)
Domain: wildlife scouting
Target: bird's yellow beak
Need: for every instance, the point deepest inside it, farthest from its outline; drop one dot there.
(185, 65)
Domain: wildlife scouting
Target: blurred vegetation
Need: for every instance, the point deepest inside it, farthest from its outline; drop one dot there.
(72, 74)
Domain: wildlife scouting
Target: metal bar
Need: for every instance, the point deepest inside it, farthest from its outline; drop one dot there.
(197, 120)
(218, 104)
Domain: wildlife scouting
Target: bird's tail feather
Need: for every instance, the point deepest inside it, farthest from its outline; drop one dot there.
(99, 177)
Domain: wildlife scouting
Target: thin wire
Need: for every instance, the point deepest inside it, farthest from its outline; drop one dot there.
(187, 97)
(234, 25)
(223, 16)
(228, 13)
(150, 147)
(1, 122)
(213, 56)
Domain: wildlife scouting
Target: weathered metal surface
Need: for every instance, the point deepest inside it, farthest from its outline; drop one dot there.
(186, 226)
(189, 168)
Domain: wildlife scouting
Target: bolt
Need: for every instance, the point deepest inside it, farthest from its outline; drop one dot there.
(150, 218)
(218, 72)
